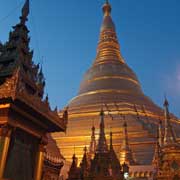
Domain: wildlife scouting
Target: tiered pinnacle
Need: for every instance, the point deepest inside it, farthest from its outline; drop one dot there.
(25, 12)
(92, 147)
(125, 144)
(126, 153)
(17, 56)
(102, 144)
(157, 152)
(115, 166)
(74, 172)
(108, 48)
(167, 152)
(84, 163)
(160, 134)
(169, 137)
(105, 163)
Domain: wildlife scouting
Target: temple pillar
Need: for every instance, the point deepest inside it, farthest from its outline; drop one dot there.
(5, 137)
(40, 159)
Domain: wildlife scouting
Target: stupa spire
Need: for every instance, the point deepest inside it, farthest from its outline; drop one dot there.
(125, 144)
(126, 153)
(157, 152)
(92, 147)
(108, 47)
(102, 144)
(107, 8)
(84, 164)
(160, 134)
(169, 137)
(74, 170)
(24, 12)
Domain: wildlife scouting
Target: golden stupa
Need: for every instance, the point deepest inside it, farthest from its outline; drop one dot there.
(111, 82)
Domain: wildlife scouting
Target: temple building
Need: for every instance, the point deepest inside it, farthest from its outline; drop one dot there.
(103, 165)
(53, 162)
(112, 82)
(26, 117)
(167, 153)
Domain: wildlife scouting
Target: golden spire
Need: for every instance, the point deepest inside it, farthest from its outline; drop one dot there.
(126, 153)
(102, 144)
(84, 163)
(92, 147)
(125, 144)
(107, 8)
(157, 153)
(108, 47)
(169, 137)
(160, 133)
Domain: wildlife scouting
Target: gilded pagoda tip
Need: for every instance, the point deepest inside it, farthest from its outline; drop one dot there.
(107, 8)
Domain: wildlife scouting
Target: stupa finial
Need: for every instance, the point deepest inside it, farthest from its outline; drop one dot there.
(25, 12)
(107, 8)
(92, 147)
(169, 136)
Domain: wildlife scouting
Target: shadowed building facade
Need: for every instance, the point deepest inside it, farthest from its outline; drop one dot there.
(112, 82)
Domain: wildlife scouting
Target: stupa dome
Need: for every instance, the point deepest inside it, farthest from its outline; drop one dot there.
(112, 83)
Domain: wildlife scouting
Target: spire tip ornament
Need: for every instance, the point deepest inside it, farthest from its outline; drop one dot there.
(107, 8)
(166, 103)
(25, 12)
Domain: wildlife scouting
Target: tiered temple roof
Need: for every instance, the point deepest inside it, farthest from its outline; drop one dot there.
(20, 78)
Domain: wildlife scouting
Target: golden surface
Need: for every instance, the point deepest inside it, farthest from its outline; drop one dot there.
(4, 106)
(3, 154)
(39, 165)
(112, 82)
(101, 91)
(113, 77)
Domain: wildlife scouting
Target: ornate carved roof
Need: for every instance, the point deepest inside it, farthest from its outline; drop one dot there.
(21, 80)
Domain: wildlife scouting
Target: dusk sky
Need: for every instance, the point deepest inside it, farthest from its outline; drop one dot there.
(64, 36)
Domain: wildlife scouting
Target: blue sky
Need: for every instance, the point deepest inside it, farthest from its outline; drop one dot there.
(64, 36)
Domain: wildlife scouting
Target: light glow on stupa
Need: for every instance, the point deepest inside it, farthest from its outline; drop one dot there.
(112, 82)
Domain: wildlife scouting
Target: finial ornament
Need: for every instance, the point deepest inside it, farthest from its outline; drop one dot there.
(169, 136)
(102, 145)
(166, 104)
(107, 8)
(85, 149)
(25, 12)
